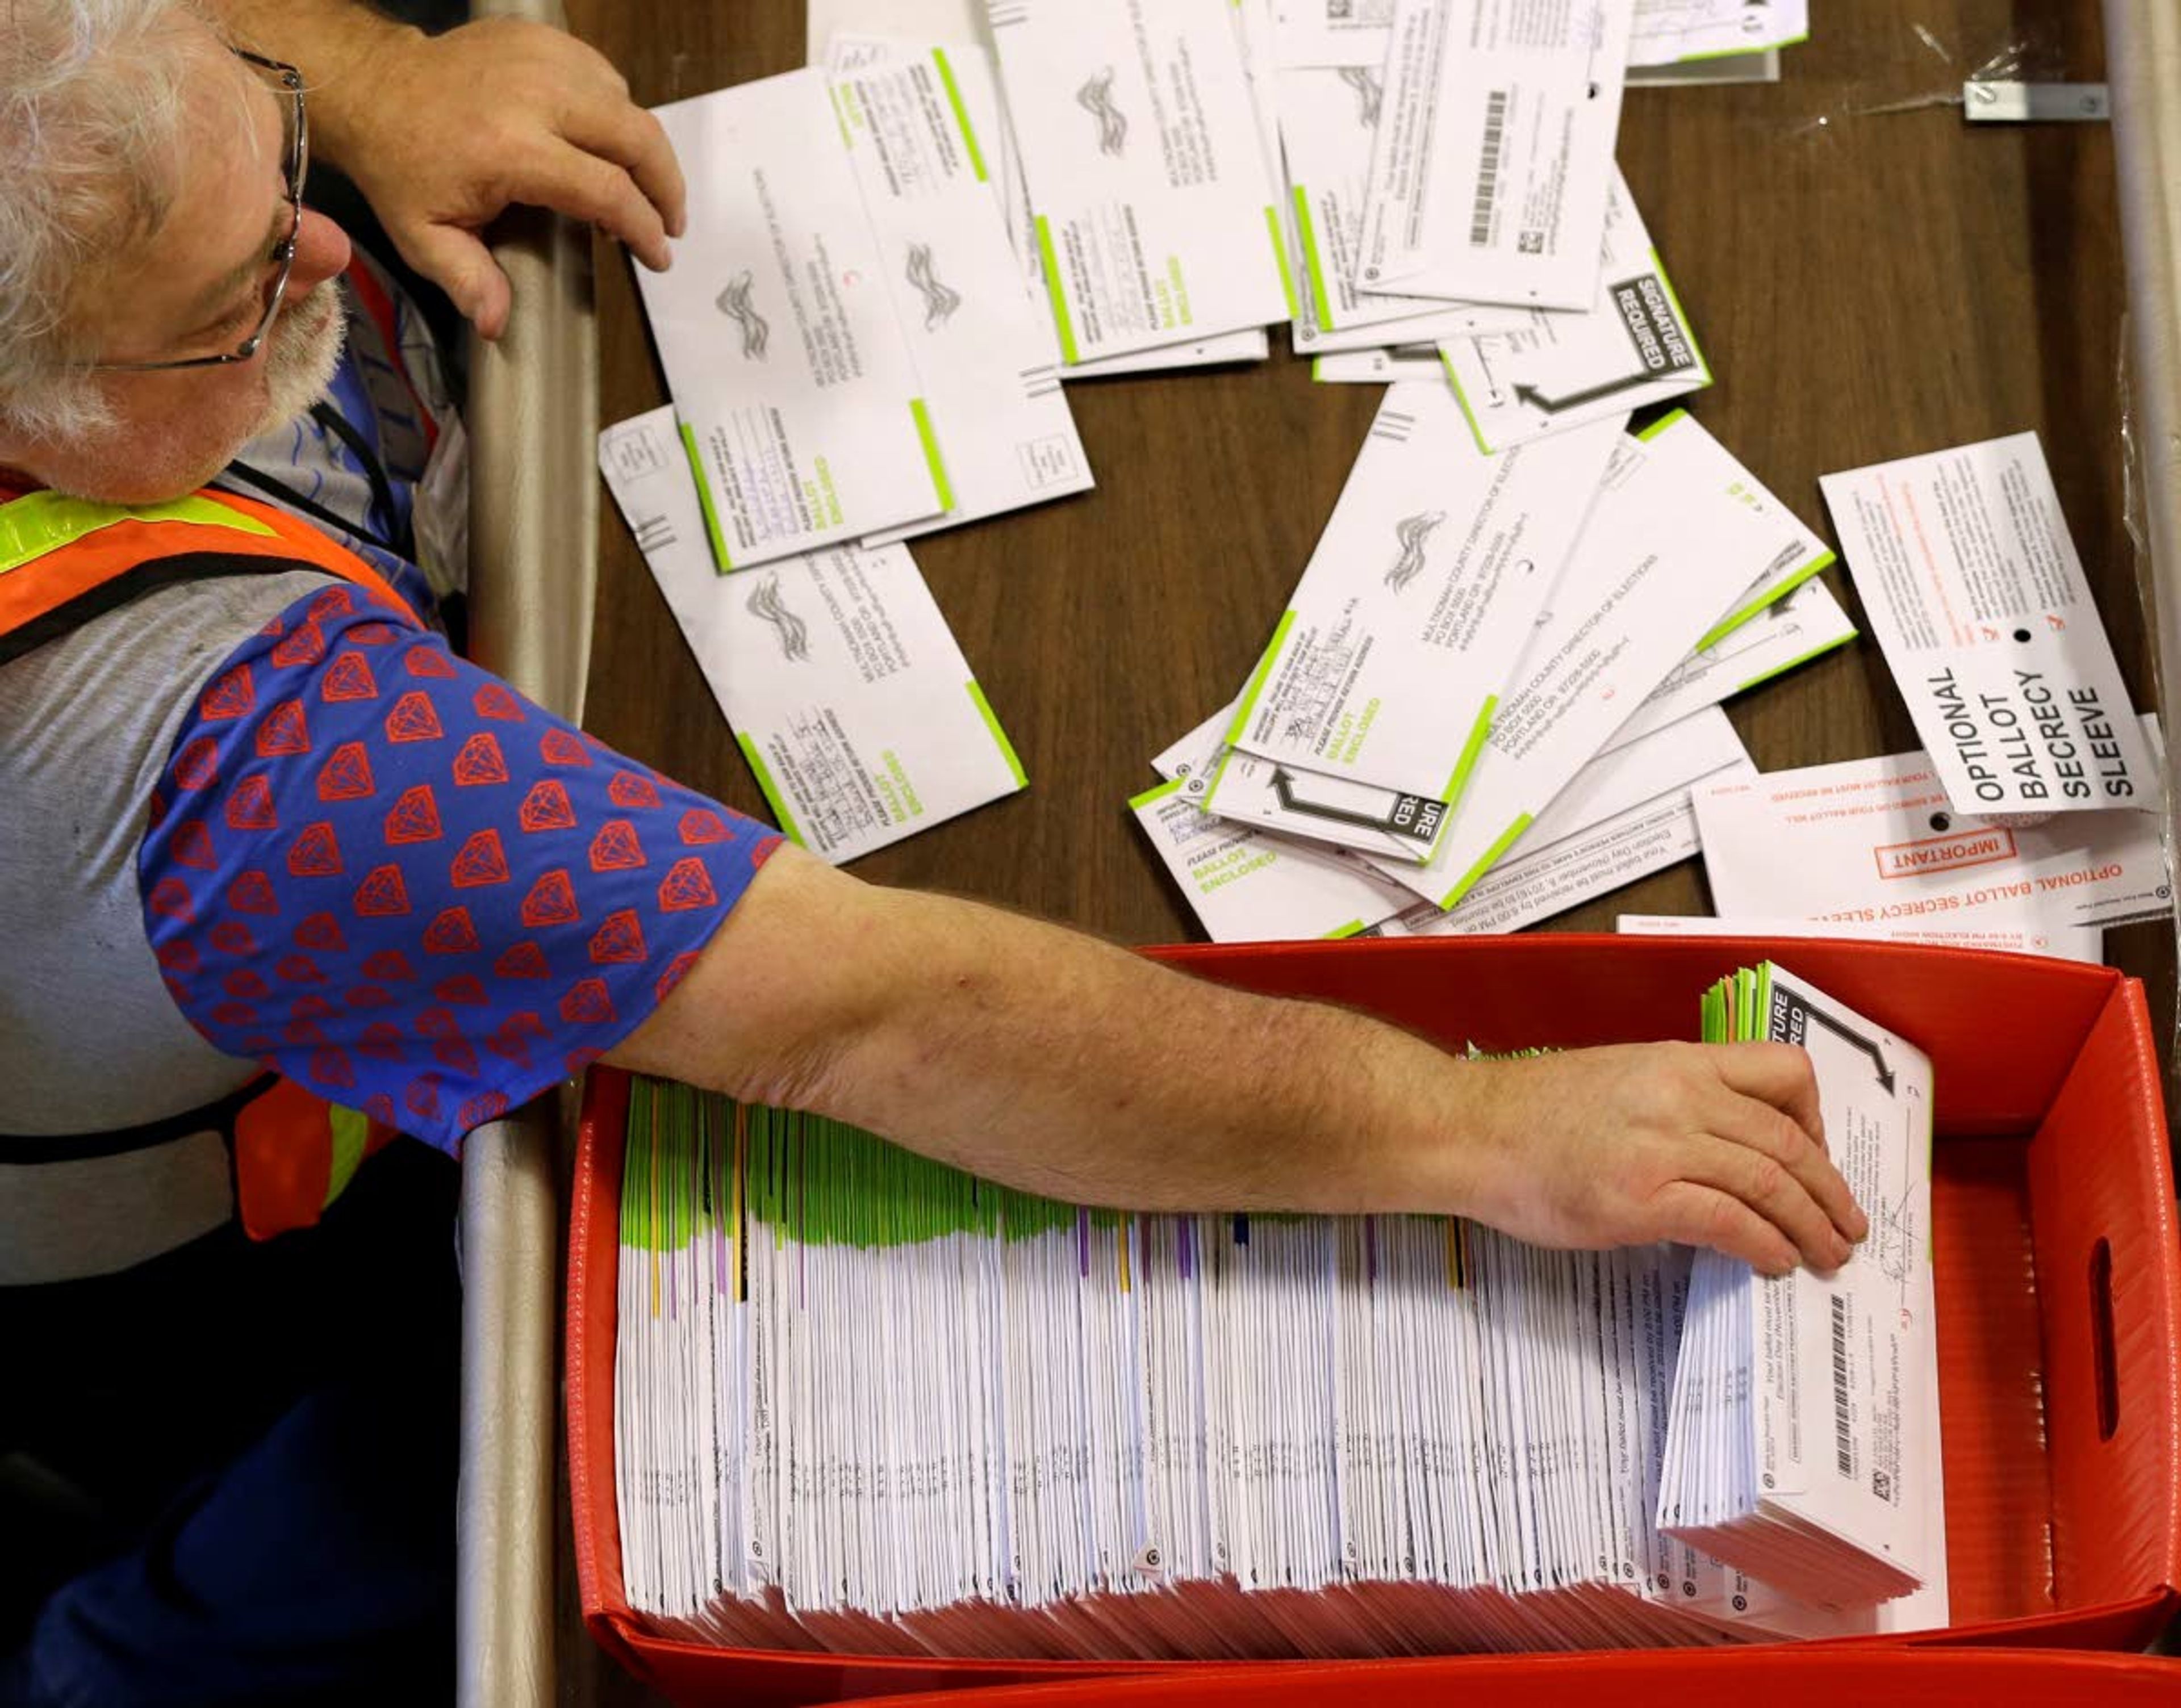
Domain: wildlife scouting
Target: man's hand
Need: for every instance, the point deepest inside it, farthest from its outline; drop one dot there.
(1715, 1145)
(442, 133)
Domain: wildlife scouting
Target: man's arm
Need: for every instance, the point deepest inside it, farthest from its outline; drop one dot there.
(1052, 1062)
(443, 133)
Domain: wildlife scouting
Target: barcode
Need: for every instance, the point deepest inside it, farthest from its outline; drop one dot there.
(1487, 167)
(1843, 1448)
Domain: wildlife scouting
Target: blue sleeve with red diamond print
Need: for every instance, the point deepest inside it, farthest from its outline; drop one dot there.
(383, 873)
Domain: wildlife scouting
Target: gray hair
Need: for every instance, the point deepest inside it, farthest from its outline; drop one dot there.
(91, 124)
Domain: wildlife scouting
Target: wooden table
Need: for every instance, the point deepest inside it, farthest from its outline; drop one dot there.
(1870, 277)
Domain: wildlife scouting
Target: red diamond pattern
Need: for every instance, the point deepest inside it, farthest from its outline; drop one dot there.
(306, 646)
(192, 845)
(349, 677)
(315, 853)
(480, 762)
(382, 895)
(231, 695)
(251, 892)
(198, 765)
(388, 967)
(630, 791)
(451, 934)
(615, 847)
(547, 807)
(482, 861)
(321, 932)
(250, 805)
(551, 901)
(427, 659)
(701, 825)
(415, 817)
(413, 718)
(347, 774)
(687, 885)
(499, 702)
(563, 747)
(283, 732)
(232, 936)
(523, 960)
(620, 939)
(589, 1003)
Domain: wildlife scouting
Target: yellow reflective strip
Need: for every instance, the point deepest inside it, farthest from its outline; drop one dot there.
(38, 524)
(349, 1129)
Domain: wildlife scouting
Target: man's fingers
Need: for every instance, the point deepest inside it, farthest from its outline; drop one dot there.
(1693, 1215)
(1763, 1130)
(459, 263)
(1767, 1187)
(638, 143)
(1779, 1074)
(581, 185)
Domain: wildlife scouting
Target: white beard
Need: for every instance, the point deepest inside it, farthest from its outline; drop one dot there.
(301, 354)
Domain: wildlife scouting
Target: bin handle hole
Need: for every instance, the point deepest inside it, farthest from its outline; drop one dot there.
(2101, 1339)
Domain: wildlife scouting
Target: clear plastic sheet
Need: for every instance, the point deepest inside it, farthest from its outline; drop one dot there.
(1938, 73)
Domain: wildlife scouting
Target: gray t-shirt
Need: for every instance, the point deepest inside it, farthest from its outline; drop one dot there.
(90, 1040)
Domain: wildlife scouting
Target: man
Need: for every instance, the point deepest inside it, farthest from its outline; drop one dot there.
(274, 861)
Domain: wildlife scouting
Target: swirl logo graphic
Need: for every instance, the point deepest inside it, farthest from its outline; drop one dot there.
(1411, 531)
(1095, 97)
(734, 302)
(793, 636)
(939, 302)
(1369, 93)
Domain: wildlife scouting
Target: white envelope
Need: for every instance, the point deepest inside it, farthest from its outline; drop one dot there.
(1805, 625)
(800, 402)
(1975, 591)
(1733, 29)
(1006, 438)
(1247, 885)
(1401, 635)
(2038, 930)
(1377, 367)
(1668, 539)
(1495, 151)
(1626, 815)
(1332, 32)
(1880, 839)
(1328, 121)
(846, 691)
(1154, 216)
(1632, 348)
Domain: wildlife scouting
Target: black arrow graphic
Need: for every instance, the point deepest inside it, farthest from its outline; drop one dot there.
(1848, 1034)
(1284, 789)
(1552, 405)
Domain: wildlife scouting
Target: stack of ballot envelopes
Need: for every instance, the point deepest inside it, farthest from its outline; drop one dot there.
(1218, 1436)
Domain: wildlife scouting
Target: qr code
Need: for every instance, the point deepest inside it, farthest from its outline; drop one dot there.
(1531, 243)
(1881, 1485)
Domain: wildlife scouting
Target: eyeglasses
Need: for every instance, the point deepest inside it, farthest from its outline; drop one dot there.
(296, 166)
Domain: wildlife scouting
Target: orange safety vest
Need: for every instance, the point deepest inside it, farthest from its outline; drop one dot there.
(63, 561)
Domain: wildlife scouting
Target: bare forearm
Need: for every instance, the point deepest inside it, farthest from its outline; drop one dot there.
(1059, 1065)
(1052, 1062)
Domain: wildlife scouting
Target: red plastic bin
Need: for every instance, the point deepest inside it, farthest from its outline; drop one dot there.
(2058, 1282)
(1780, 1677)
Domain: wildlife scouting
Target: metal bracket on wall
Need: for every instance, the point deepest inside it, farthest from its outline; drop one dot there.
(2030, 103)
